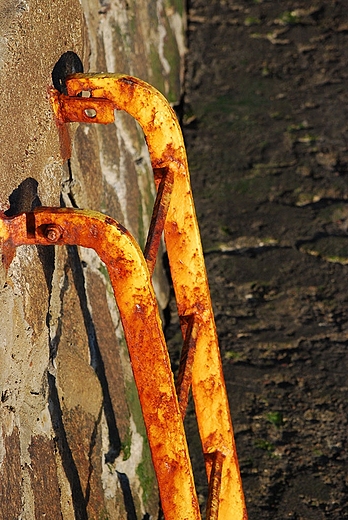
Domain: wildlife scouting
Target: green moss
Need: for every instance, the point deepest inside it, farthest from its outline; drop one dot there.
(179, 5)
(264, 445)
(145, 469)
(275, 418)
(242, 186)
(318, 453)
(156, 69)
(235, 113)
(226, 230)
(276, 115)
(252, 20)
(134, 405)
(126, 445)
(146, 476)
(172, 55)
(122, 38)
(133, 22)
(308, 139)
(231, 354)
(168, 84)
(289, 18)
(103, 515)
(332, 248)
(303, 198)
(296, 127)
(103, 270)
(228, 103)
(333, 213)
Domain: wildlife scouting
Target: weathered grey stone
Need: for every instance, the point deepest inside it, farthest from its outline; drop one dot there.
(72, 440)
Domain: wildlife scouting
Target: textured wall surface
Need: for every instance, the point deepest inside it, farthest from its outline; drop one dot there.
(72, 441)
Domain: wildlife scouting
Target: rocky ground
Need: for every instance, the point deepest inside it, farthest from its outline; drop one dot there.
(266, 128)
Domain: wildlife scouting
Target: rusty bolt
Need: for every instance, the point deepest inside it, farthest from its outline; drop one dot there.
(53, 232)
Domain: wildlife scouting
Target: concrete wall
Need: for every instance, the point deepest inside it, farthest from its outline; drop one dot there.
(72, 442)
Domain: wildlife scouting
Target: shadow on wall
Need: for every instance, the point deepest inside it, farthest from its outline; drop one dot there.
(25, 198)
(68, 63)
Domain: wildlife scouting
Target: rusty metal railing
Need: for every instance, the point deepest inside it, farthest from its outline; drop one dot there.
(174, 214)
(137, 304)
(200, 365)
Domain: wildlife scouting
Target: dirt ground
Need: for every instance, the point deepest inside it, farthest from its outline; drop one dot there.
(266, 128)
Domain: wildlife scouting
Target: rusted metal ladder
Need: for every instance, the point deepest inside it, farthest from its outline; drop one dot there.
(163, 405)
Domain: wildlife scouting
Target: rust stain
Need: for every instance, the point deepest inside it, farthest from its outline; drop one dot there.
(65, 142)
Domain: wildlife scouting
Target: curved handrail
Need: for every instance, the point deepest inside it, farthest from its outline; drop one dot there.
(136, 301)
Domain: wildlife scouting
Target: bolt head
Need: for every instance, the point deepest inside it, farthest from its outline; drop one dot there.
(53, 232)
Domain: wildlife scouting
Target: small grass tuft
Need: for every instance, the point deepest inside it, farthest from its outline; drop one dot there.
(275, 418)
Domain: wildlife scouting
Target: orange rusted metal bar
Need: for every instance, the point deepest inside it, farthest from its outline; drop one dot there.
(136, 300)
(178, 219)
(184, 379)
(160, 210)
(215, 486)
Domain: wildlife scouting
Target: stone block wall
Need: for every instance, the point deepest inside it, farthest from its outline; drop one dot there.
(72, 440)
